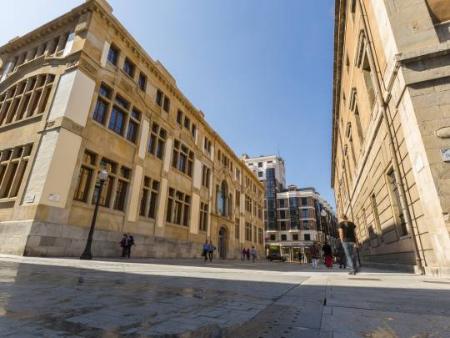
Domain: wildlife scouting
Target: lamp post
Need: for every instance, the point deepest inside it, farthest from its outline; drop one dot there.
(87, 254)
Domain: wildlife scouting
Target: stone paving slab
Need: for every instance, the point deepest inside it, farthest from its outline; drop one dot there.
(186, 298)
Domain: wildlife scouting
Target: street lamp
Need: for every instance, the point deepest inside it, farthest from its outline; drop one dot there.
(87, 254)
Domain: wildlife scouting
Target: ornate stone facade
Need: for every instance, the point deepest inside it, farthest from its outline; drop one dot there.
(80, 94)
(391, 102)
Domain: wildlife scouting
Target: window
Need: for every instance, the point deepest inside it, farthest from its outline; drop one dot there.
(187, 122)
(207, 145)
(107, 191)
(13, 163)
(260, 236)
(129, 67)
(223, 200)
(307, 237)
(149, 198)
(248, 232)
(237, 228)
(121, 188)
(27, 98)
(85, 177)
(295, 237)
(206, 174)
(204, 216)
(166, 105)
(260, 174)
(255, 234)
(367, 72)
(133, 125)
(194, 130)
(281, 203)
(305, 213)
(283, 237)
(157, 141)
(142, 81)
(117, 120)
(238, 174)
(178, 207)
(159, 97)
(113, 55)
(238, 199)
(248, 204)
(304, 201)
(103, 101)
(180, 117)
(182, 158)
(260, 164)
(273, 237)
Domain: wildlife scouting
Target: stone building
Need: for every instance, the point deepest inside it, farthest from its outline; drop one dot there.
(391, 129)
(80, 94)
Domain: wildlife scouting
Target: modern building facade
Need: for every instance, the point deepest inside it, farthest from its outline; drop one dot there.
(270, 170)
(78, 95)
(391, 129)
(294, 218)
(303, 218)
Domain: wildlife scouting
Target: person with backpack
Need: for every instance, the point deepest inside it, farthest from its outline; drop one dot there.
(123, 245)
(130, 243)
(211, 251)
(205, 250)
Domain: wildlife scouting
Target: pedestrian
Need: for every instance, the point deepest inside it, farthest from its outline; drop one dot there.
(253, 253)
(130, 243)
(328, 255)
(243, 253)
(205, 250)
(348, 238)
(211, 251)
(340, 253)
(247, 253)
(123, 245)
(315, 255)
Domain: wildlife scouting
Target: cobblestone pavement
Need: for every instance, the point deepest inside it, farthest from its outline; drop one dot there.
(42, 297)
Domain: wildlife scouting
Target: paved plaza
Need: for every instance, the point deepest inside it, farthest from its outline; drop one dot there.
(42, 297)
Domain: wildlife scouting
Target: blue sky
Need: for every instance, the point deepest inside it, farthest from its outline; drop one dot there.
(260, 70)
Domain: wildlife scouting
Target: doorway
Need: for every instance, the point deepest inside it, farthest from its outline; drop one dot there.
(222, 243)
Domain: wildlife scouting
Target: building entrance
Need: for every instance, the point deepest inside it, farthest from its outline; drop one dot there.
(222, 247)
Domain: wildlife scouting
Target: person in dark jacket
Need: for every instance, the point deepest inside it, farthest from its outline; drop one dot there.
(340, 253)
(123, 245)
(348, 238)
(328, 255)
(130, 243)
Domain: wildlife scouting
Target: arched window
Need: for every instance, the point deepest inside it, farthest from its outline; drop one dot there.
(222, 199)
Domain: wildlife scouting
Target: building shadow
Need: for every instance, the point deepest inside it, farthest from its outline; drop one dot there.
(51, 301)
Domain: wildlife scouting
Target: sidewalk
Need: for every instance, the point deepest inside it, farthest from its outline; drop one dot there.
(187, 298)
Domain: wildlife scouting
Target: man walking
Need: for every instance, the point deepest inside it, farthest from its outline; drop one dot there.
(314, 251)
(348, 239)
(123, 245)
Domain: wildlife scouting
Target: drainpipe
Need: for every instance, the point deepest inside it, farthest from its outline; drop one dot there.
(418, 250)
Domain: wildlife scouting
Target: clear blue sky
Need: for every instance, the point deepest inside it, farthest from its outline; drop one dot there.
(260, 70)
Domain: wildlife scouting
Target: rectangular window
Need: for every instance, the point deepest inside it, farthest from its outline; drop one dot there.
(157, 141)
(107, 190)
(203, 217)
(180, 117)
(117, 120)
(166, 105)
(194, 130)
(307, 237)
(129, 67)
(182, 158)
(133, 125)
(159, 98)
(142, 81)
(295, 237)
(238, 199)
(13, 163)
(206, 173)
(149, 198)
(113, 55)
(260, 236)
(237, 228)
(207, 145)
(187, 122)
(85, 176)
(178, 207)
(283, 237)
(248, 232)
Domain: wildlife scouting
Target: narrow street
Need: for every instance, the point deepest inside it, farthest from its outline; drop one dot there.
(187, 298)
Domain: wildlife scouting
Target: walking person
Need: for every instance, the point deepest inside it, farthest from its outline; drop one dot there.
(247, 253)
(211, 251)
(340, 253)
(130, 243)
(123, 245)
(348, 238)
(205, 250)
(328, 255)
(253, 253)
(243, 253)
(315, 255)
